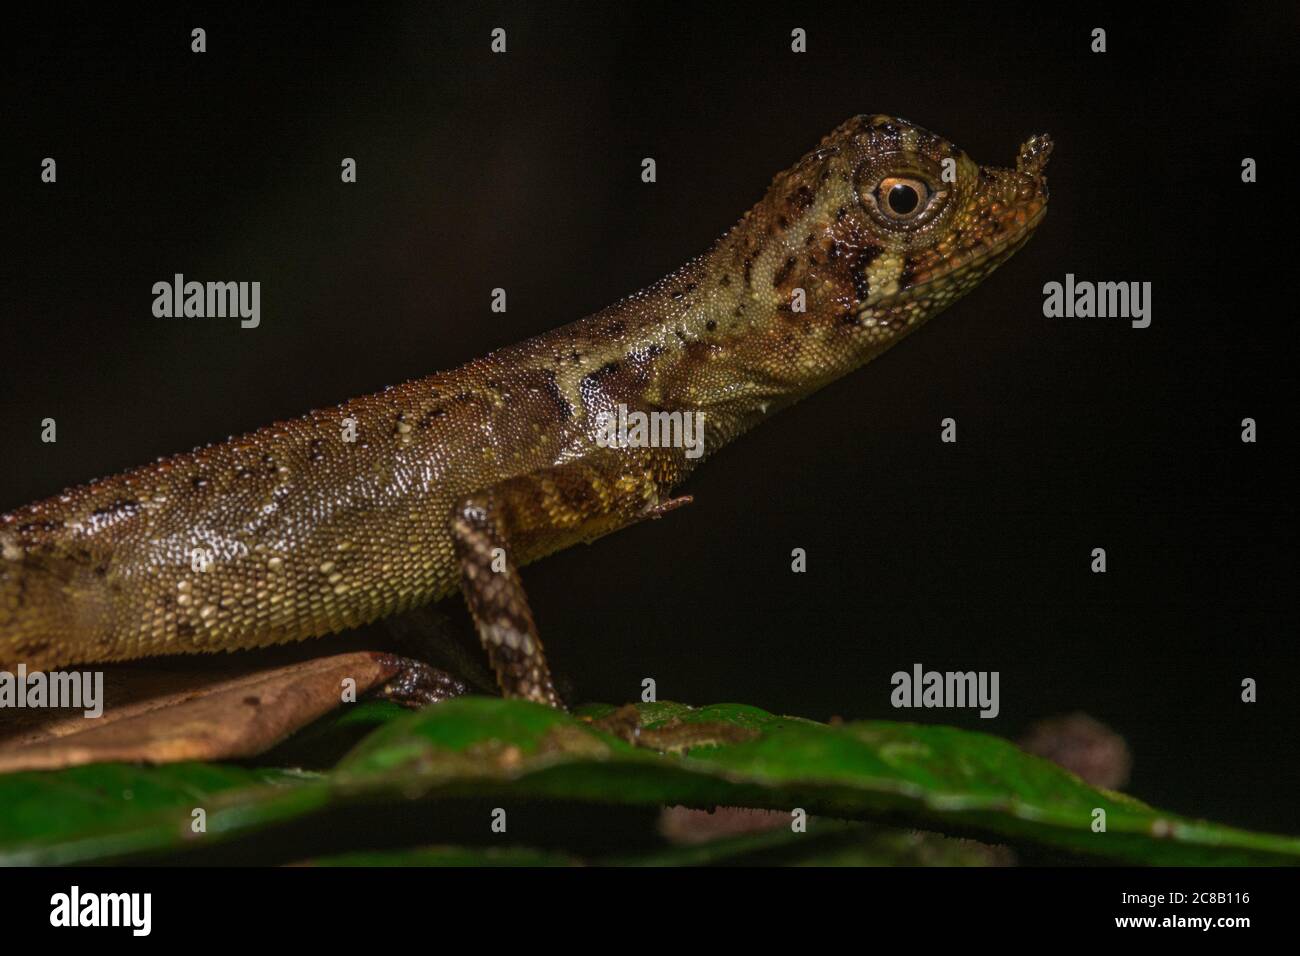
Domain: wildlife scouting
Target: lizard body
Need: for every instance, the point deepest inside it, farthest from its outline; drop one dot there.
(309, 533)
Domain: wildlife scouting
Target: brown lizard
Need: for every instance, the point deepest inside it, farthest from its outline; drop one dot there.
(351, 513)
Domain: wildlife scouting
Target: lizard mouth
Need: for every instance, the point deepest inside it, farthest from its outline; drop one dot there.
(963, 270)
(1008, 209)
(1017, 225)
(1002, 217)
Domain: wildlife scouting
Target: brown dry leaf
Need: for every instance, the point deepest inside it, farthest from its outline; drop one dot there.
(230, 708)
(687, 826)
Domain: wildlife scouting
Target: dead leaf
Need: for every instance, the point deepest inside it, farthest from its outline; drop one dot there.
(228, 709)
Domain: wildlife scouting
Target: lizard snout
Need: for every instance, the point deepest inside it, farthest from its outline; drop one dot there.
(1034, 154)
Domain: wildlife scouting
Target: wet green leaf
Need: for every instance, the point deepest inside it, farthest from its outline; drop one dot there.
(936, 778)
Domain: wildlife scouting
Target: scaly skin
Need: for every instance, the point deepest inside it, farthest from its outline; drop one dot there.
(311, 534)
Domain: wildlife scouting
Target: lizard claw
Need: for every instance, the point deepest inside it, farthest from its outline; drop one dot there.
(672, 504)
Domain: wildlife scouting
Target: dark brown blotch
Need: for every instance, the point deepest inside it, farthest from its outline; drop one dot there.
(119, 507)
(861, 287)
(908, 274)
(800, 199)
(552, 391)
(52, 526)
(438, 411)
(609, 368)
(783, 272)
(858, 271)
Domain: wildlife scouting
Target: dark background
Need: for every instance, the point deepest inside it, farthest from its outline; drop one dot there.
(522, 171)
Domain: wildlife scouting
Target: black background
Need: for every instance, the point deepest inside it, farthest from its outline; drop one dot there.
(523, 171)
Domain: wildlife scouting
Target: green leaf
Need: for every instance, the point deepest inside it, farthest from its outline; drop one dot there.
(323, 742)
(101, 811)
(936, 778)
(828, 843)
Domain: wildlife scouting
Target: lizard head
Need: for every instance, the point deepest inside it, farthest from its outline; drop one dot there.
(882, 226)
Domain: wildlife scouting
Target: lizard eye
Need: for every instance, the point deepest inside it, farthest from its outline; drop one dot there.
(903, 201)
(902, 197)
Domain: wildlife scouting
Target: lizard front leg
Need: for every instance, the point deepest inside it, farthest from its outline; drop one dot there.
(526, 517)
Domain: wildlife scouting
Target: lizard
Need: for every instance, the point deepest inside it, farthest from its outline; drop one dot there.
(454, 481)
